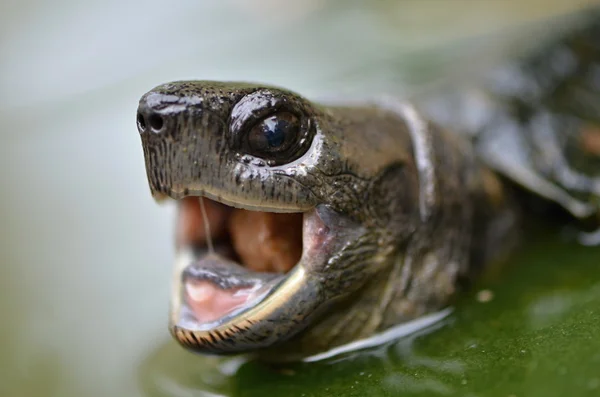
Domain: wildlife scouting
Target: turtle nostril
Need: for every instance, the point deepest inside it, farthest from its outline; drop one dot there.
(155, 121)
(141, 122)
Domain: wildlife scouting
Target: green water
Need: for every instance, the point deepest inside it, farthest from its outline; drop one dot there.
(537, 336)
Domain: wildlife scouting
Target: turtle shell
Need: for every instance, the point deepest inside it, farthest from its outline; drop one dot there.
(537, 119)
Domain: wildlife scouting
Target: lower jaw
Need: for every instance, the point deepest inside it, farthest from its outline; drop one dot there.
(278, 305)
(273, 316)
(193, 313)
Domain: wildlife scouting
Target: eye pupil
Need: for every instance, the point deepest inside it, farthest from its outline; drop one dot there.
(275, 132)
(274, 136)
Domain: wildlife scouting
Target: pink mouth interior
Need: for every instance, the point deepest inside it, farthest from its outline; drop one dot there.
(209, 303)
(259, 241)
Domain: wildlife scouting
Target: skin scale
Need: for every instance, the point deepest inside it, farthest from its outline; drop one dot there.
(397, 210)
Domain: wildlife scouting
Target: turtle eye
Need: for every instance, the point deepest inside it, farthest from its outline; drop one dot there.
(273, 136)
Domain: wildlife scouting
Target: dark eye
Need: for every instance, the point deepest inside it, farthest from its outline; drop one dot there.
(274, 135)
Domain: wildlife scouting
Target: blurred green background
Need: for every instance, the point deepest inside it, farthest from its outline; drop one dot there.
(86, 254)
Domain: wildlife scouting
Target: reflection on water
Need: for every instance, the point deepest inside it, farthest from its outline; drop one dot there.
(556, 305)
(399, 331)
(85, 252)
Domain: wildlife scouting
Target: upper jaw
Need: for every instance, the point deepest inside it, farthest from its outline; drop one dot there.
(230, 199)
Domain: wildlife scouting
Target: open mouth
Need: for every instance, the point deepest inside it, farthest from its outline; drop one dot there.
(230, 259)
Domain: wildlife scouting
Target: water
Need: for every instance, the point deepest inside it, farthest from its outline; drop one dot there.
(86, 254)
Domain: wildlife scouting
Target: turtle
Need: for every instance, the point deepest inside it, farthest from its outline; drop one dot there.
(303, 226)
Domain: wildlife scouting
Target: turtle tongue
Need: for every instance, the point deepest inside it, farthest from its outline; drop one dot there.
(215, 286)
(209, 303)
